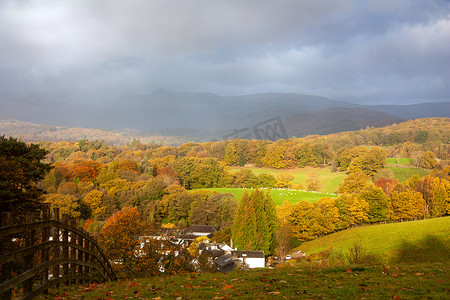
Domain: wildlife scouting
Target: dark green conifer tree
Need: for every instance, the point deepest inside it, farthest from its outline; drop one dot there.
(255, 223)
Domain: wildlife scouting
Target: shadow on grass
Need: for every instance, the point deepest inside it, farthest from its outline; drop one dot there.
(429, 249)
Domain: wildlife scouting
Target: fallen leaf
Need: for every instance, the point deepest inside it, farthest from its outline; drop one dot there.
(274, 293)
(227, 286)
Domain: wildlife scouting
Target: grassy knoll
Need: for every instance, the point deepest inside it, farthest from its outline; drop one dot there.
(384, 240)
(399, 161)
(330, 181)
(402, 281)
(278, 196)
(402, 174)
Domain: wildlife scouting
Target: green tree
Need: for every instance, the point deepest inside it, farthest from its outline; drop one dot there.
(176, 204)
(20, 171)
(255, 223)
(267, 180)
(217, 210)
(245, 179)
(198, 173)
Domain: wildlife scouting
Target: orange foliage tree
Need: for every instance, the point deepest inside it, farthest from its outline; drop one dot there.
(119, 237)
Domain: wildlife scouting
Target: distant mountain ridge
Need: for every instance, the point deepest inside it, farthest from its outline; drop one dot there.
(335, 120)
(206, 115)
(416, 111)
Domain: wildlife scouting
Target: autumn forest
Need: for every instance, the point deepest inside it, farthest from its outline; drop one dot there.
(158, 187)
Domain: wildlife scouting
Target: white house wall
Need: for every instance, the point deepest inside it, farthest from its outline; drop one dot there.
(254, 262)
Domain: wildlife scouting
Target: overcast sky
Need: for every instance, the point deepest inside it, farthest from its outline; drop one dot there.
(374, 51)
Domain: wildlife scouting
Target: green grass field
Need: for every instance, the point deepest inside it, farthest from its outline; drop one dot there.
(402, 174)
(278, 196)
(330, 181)
(402, 281)
(399, 161)
(383, 239)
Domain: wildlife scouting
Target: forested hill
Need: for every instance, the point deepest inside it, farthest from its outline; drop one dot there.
(430, 130)
(31, 132)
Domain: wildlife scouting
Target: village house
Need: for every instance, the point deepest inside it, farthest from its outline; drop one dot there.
(254, 259)
(195, 231)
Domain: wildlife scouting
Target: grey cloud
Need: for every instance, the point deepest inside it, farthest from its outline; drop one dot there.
(362, 51)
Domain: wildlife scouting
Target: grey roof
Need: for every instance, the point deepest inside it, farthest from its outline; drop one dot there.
(251, 254)
(224, 260)
(201, 228)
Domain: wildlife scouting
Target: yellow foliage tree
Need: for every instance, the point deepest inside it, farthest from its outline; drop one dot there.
(67, 204)
(193, 247)
(284, 180)
(358, 210)
(94, 200)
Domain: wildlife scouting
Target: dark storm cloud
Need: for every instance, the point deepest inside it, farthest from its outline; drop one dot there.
(362, 51)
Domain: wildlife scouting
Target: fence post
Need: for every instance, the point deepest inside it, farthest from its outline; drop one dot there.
(56, 249)
(6, 245)
(29, 259)
(80, 255)
(87, 246)
(45, 238)
(73, 250)
(92, 257)
(65, 249)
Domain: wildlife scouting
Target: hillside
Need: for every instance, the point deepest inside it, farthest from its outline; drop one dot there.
(31, 132)
(384, 239)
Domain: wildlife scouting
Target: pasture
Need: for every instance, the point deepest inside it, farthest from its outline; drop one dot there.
(278, 195)
(329, 181)
(384, 240)
(399, 161)
(402, 173)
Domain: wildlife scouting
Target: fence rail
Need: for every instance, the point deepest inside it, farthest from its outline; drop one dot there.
(35, 256)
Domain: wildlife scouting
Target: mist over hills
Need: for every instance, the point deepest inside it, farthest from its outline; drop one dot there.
(210, 116)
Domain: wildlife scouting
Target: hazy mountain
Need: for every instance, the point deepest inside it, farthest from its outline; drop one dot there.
(207, 115)
(416, 111)
(336, 120)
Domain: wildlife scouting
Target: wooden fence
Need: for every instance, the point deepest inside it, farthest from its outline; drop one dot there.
(37, 255)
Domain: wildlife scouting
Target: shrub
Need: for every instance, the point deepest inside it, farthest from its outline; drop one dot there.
(358, 254)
